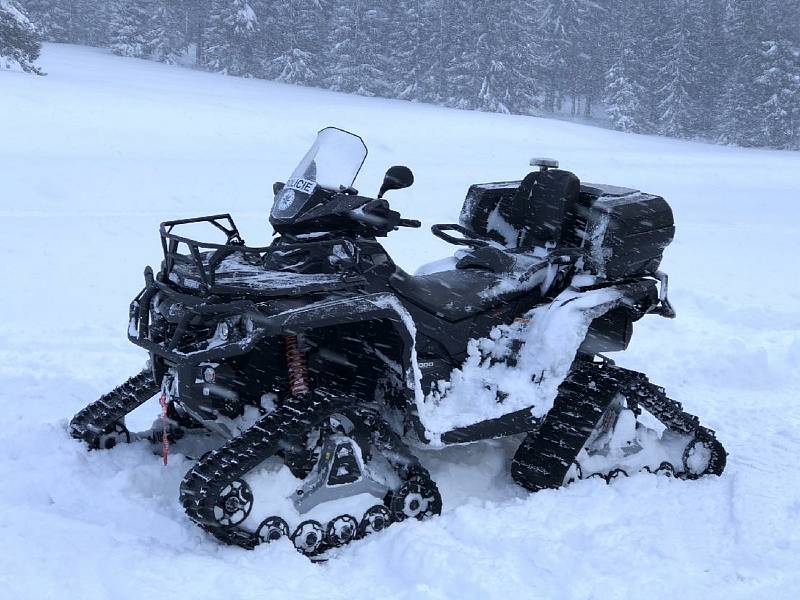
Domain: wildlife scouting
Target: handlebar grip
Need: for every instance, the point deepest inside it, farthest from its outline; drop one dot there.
(409, 223)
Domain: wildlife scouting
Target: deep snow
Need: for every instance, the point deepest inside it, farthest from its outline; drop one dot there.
(96, 153)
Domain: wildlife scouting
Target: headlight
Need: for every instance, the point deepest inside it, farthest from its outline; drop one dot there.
(223, 330)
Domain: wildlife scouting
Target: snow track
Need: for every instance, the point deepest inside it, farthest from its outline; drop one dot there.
(96, 153)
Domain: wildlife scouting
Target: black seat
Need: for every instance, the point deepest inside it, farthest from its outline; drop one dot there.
(454, 295)
(538, 210)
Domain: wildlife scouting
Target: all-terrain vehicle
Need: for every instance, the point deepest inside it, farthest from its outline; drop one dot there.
(319, 354)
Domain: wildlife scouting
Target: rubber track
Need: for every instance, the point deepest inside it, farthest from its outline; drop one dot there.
(100, 416)
(545, 455)
(204, 483)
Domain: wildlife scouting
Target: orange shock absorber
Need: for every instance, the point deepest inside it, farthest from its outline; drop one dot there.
(296, 363)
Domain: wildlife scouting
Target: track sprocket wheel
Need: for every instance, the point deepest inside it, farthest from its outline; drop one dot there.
(272, 529)
(377, 518)
(234, 503)
(341, 531)
(308, 537)
(417, 498)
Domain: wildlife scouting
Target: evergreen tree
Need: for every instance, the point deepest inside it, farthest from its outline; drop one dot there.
(442, 26)
(231, 39)
(129, 23)
(559, 28)
(50, 17)
(595, 52)
(779, 85)
(459, 55)
(713, 66)
(520, 38)
(623, 96)
(165, 38)
(495, 45)
(294, 42)
(740, 117)
(374, 72)
(405, 44)
(90, 21)
(19, 44)
(343, 53)
(679, 73)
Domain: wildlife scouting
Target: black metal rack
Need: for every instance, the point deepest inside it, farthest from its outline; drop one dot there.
(206, 267)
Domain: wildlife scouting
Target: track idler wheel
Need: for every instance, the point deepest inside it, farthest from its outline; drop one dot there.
(377, 518)
(665, 469)
(234, 503)
(111, 437)
(308, 537)
(341, 530)
(418, 498)
(704, 456)
(272, 529)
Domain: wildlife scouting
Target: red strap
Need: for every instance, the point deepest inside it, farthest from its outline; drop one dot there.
(164, 438)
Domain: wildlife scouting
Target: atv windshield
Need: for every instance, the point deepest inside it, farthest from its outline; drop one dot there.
(332, 163)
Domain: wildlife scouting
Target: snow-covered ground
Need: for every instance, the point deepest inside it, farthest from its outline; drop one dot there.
(96, 154)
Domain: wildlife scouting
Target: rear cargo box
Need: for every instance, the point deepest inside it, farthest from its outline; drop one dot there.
(626, 230)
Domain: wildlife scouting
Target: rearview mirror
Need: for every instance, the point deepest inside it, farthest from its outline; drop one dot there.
(396, 178)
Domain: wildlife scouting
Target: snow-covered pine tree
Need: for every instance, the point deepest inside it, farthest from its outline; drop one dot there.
(520, 37)
(19, 43)
(90, 21)
(360, 58)
(49, 18)
(595, 50)
(404, 46)
(623, 96)
(232, 39)
(559, 30)
(294, 40)
(679, 74)
(740, 119)
(164, 37)
(375, 72)
(779, 84)
(460, 81)
(495, 46)
(435, 26)
(628, 79)
(129, 24)
(712, 67)
(343, 51)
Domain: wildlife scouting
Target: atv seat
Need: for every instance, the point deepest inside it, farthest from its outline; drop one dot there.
(454, 295)
(536, 211)
(481, 279)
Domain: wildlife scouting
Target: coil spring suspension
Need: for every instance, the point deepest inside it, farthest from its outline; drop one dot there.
(296, 363)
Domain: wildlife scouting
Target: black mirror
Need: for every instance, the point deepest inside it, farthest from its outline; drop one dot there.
(277, 187)
(396, 178)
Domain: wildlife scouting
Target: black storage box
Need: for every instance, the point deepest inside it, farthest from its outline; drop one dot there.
(623, 231)
(626, 230)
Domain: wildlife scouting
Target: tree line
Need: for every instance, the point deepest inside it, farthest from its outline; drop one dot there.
(722, 70)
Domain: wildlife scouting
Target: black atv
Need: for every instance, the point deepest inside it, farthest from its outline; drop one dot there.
(319, 354)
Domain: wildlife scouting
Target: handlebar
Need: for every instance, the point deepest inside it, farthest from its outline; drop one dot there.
(409, 223)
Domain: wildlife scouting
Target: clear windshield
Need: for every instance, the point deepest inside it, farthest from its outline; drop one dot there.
(332, 163)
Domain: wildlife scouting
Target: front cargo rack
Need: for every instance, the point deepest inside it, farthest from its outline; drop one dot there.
(199, 265)
(233, 267)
